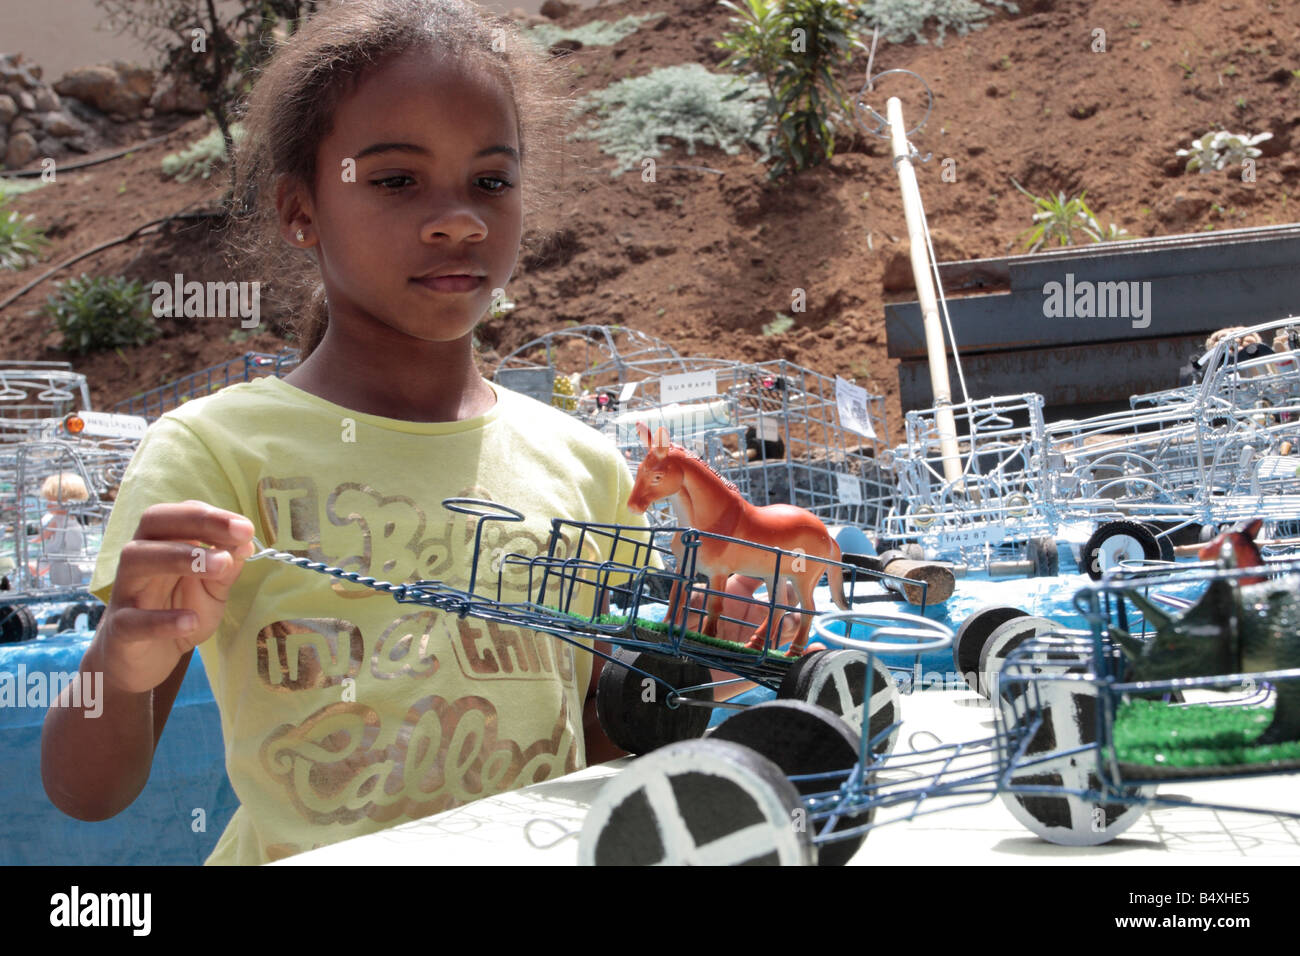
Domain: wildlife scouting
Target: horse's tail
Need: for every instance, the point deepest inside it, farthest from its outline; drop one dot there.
(836, 575)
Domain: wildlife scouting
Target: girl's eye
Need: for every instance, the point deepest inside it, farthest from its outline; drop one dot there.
(394, 183)
(505, 184)
(386, 183)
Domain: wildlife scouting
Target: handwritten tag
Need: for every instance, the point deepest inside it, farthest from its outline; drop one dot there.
(684, 387)
(972, 537)
(850, 488)
(108, 425)
(769, 429)
(851, 400)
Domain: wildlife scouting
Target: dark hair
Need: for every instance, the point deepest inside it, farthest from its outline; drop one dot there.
(291, 107)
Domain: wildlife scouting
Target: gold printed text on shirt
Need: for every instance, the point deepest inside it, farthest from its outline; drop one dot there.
(308, 653)
(335, 768)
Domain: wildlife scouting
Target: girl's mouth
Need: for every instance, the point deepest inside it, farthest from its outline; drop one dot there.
(451, 283)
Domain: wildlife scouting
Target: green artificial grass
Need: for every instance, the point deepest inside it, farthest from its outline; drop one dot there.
(1156, 734)
(661, 627)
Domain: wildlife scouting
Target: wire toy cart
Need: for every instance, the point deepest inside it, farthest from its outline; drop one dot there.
(571, 595)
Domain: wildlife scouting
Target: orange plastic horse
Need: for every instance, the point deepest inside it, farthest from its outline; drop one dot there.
(709, 503)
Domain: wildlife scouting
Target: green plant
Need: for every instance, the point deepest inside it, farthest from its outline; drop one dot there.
(101, 313)
(595, 33)
(199, 158)
(903, 20)
(685, 102)
(1133, 24)
(793, 47)
(1145, 44)
(782, 323)
(1058, 218)
(20, 241)
(1230, 70)
(1219, 150)
(1241, 103)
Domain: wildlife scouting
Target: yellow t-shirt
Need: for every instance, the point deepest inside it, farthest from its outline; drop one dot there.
(344, 712)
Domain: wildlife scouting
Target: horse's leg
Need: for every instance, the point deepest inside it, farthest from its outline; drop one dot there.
(806, 583)
(717, 583)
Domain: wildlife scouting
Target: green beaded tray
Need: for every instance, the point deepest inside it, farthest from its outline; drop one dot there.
(1156, 740)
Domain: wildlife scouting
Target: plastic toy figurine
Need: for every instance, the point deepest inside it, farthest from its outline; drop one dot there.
(708, 502)
(61, 535)
(1234, 628)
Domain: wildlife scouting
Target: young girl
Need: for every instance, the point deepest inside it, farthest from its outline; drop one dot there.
(393, 138)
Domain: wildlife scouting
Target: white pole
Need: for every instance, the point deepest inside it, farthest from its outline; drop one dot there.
(925, 294)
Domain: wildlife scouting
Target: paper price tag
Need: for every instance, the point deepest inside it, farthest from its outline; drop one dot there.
(972, 537)
(682, 388)
(769, 429)
(851, 400)
(850, 489)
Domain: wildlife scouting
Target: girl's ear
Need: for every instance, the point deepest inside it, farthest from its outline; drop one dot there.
(661, 437)
(643, 432)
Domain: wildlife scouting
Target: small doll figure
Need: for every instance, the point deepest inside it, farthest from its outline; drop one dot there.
(60, 536)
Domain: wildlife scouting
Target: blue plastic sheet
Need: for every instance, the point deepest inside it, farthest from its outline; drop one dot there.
(161, 827)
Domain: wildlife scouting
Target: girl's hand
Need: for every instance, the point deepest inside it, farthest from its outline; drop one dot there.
(170, 591)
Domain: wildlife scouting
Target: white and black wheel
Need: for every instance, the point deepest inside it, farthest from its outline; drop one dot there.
(1044, 557)
(1069, 709)
(1117, 541)
(1164, 543)
(1004, 639)
(836, 680)
(634, 709)
(72, 614)
(972, 634)
(697, 803)
(801, 738)
(17, 624)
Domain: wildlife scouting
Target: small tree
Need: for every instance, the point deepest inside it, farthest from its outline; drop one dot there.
(216, 52)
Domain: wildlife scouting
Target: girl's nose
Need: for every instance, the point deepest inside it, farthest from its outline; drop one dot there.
(453, 221)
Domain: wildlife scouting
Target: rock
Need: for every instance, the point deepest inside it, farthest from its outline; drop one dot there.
(48, 146)
(568, 43)
(47, 101)
(120, 87)
(26, 102)
(22, 124)
(177, 95)
(4, 143)
(59, 124)
(8, 109)
(21, 151)
(555, 9)
(82, 111)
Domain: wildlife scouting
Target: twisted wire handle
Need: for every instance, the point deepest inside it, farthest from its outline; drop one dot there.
(289, 557)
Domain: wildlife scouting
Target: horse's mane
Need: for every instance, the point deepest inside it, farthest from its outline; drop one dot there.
(725, 482)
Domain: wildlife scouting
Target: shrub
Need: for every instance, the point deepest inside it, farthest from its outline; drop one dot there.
(1222, 149)
(201, 156)
(903, 20)
(1057, 218)
(101, 313)
(595, 33)
(685, 102)
(20, 241)
(792, 46)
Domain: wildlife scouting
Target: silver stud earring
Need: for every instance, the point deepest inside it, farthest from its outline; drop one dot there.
(301, 237)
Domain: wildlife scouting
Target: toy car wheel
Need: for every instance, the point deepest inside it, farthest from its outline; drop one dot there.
(96, 612)
(1165, 545)
(1004, 639)
(802, 739)
(1048, 795)
(638, 712)
(1117, 541)
(971, 636)
(836, 680)
(68, 619)
(17, 624)
(1044, 557)
(697, 802)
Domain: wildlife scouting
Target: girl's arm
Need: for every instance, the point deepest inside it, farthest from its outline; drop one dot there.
(599, 747)
(97, 744)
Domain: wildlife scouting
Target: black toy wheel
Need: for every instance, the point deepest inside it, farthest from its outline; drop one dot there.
(68, 619)
(1002, 641)
(697, 802)
(1165, 544)
(1117, 541)
(1044, 557)
(836, 680)
(17, 624)
(634, 710)
(801, 738)
(972, 634)
(1069, 709)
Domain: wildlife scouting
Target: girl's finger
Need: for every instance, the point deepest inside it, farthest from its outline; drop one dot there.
(148, 559)
(133, 625)
(194, 521)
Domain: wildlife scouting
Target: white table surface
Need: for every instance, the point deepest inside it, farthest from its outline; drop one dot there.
(538, 825)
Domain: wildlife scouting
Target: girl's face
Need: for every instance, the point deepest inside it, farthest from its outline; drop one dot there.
(436, 189)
